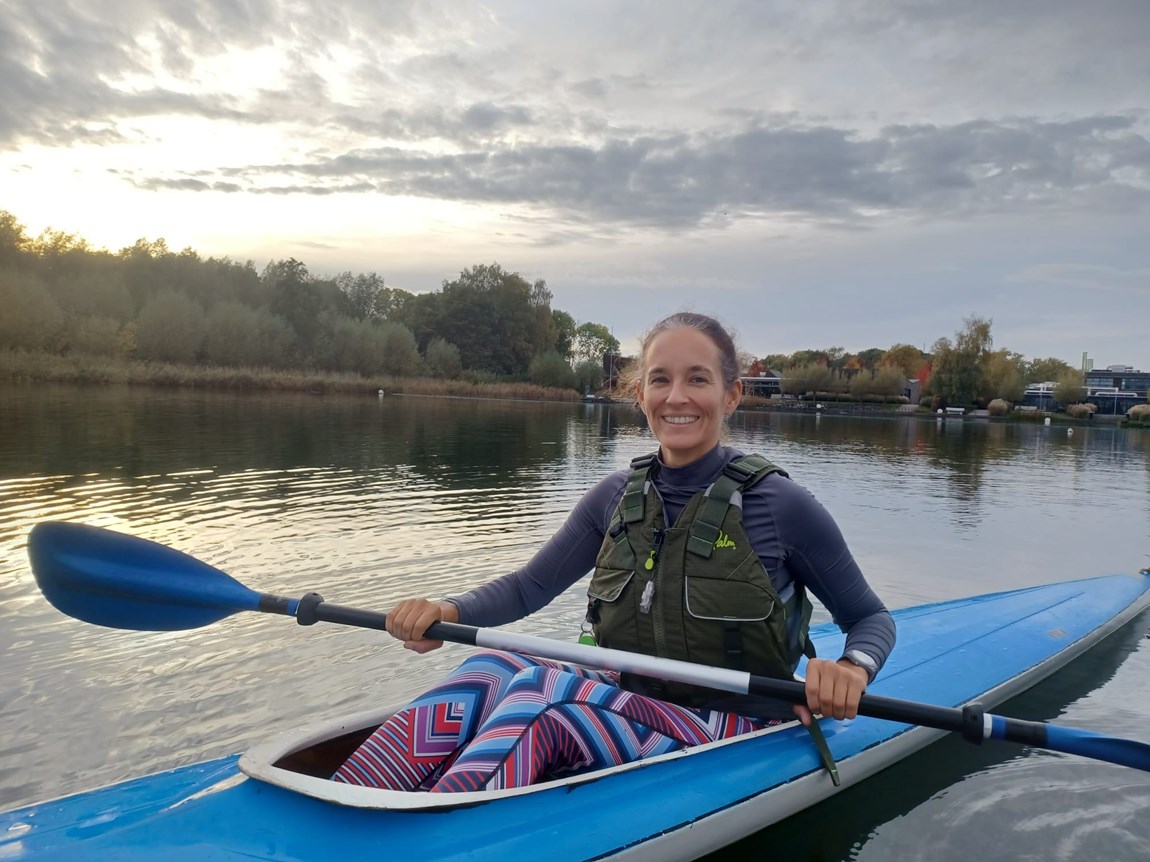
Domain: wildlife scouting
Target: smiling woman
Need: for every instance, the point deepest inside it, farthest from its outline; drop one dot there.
(689, 385)
(699, 553)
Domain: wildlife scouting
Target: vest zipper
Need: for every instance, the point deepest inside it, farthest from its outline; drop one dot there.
(652, 561)
(657, 619)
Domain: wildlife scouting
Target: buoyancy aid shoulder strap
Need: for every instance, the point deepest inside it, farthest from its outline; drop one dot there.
(738, 475)
(635, 493)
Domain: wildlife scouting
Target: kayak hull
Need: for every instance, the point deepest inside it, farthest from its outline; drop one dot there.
(679, 806)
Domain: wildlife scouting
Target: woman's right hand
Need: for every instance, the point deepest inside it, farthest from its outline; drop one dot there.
(411, 618)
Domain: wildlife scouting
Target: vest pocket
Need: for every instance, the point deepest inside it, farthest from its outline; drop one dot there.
(735, 598)
(608, 584)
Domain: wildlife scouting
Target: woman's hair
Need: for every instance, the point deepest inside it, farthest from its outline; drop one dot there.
(729, 362)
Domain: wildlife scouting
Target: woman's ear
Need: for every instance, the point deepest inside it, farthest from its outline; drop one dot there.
(734, 396)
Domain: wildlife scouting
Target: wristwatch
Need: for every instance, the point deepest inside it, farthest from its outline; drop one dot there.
(861, 659)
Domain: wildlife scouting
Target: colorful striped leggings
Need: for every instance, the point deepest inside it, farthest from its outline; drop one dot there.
(503, 720)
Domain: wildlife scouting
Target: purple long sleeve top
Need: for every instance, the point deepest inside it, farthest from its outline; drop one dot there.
(795, 537)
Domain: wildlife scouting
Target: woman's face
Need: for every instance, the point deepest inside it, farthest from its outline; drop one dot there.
(683, 394)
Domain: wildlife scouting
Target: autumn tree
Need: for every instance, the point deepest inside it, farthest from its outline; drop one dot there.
(905, 357)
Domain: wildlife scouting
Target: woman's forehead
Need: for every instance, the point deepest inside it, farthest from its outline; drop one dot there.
(682, 345)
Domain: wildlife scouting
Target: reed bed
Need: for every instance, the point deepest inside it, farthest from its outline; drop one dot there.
(24, 366)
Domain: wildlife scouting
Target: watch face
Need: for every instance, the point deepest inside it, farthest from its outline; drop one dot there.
(862, 660)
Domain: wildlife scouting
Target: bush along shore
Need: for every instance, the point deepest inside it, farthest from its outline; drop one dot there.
(20, 366)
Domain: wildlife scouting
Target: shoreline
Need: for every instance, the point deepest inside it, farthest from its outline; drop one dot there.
(20, 367)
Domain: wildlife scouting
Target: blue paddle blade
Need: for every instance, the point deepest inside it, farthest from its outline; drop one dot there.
(119, 581)
(1086, 743)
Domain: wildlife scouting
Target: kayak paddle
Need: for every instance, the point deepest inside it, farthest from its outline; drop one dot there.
(120, 581)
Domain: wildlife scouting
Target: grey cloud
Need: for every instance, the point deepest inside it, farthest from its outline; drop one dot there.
(823, 173)
(478, 122)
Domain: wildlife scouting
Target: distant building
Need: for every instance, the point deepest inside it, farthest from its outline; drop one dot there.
(766, 384)
(1116, 388)
(1040, 396)
(1113, 390)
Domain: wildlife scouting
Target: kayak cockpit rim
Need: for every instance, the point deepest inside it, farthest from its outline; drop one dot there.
(271, 762)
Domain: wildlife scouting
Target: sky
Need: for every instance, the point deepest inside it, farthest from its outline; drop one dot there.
(814, 173)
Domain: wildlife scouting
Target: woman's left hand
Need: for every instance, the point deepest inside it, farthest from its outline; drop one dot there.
(833, 689)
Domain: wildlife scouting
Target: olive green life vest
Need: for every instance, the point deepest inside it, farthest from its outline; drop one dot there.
(696, 591)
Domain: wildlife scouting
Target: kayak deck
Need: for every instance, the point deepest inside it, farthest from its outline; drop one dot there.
(987, 648)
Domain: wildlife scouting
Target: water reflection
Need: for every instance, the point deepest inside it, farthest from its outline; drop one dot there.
(957, 801)
(370, 500)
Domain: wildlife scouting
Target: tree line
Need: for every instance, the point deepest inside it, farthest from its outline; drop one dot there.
(961, 371)
(60, 295)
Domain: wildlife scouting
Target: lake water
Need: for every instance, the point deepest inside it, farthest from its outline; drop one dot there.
(369, 500)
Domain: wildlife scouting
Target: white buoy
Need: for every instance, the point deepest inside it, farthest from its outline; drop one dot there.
(1047, 422)
(1069, 432)
(380, 393)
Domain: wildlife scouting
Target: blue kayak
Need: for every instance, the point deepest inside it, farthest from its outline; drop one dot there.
(275, 803)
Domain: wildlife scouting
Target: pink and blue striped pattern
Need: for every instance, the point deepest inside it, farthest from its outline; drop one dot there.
(503, 721)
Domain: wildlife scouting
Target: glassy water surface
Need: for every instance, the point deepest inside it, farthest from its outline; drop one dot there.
(372, 500)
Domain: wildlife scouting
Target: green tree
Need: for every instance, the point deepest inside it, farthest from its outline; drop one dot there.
(421, 313)
(364, 292)
(98, 292)
(871, 358)
(31, 318)
(589, 376)
(810, 379)
(551, 369)
(958, 366)
(241, 336)
(777, 361)
(13, 242)
(296, 299)
(400, 352)
(442, 359)
(356, 346)
(488, 314)
(565, 327)
(1003, 373)
(170, 328)
(544, 332)
(1045, 370)
(1069, 387)
(882, 383)
(801, 358)
(94, 336)
(593, 341)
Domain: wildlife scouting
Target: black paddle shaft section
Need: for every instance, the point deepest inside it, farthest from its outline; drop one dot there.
(313, 609)
(967, 721)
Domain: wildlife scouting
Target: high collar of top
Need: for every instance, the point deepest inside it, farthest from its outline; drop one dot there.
(698, 474)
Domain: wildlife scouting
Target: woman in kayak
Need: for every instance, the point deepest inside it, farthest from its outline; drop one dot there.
(698, 553)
